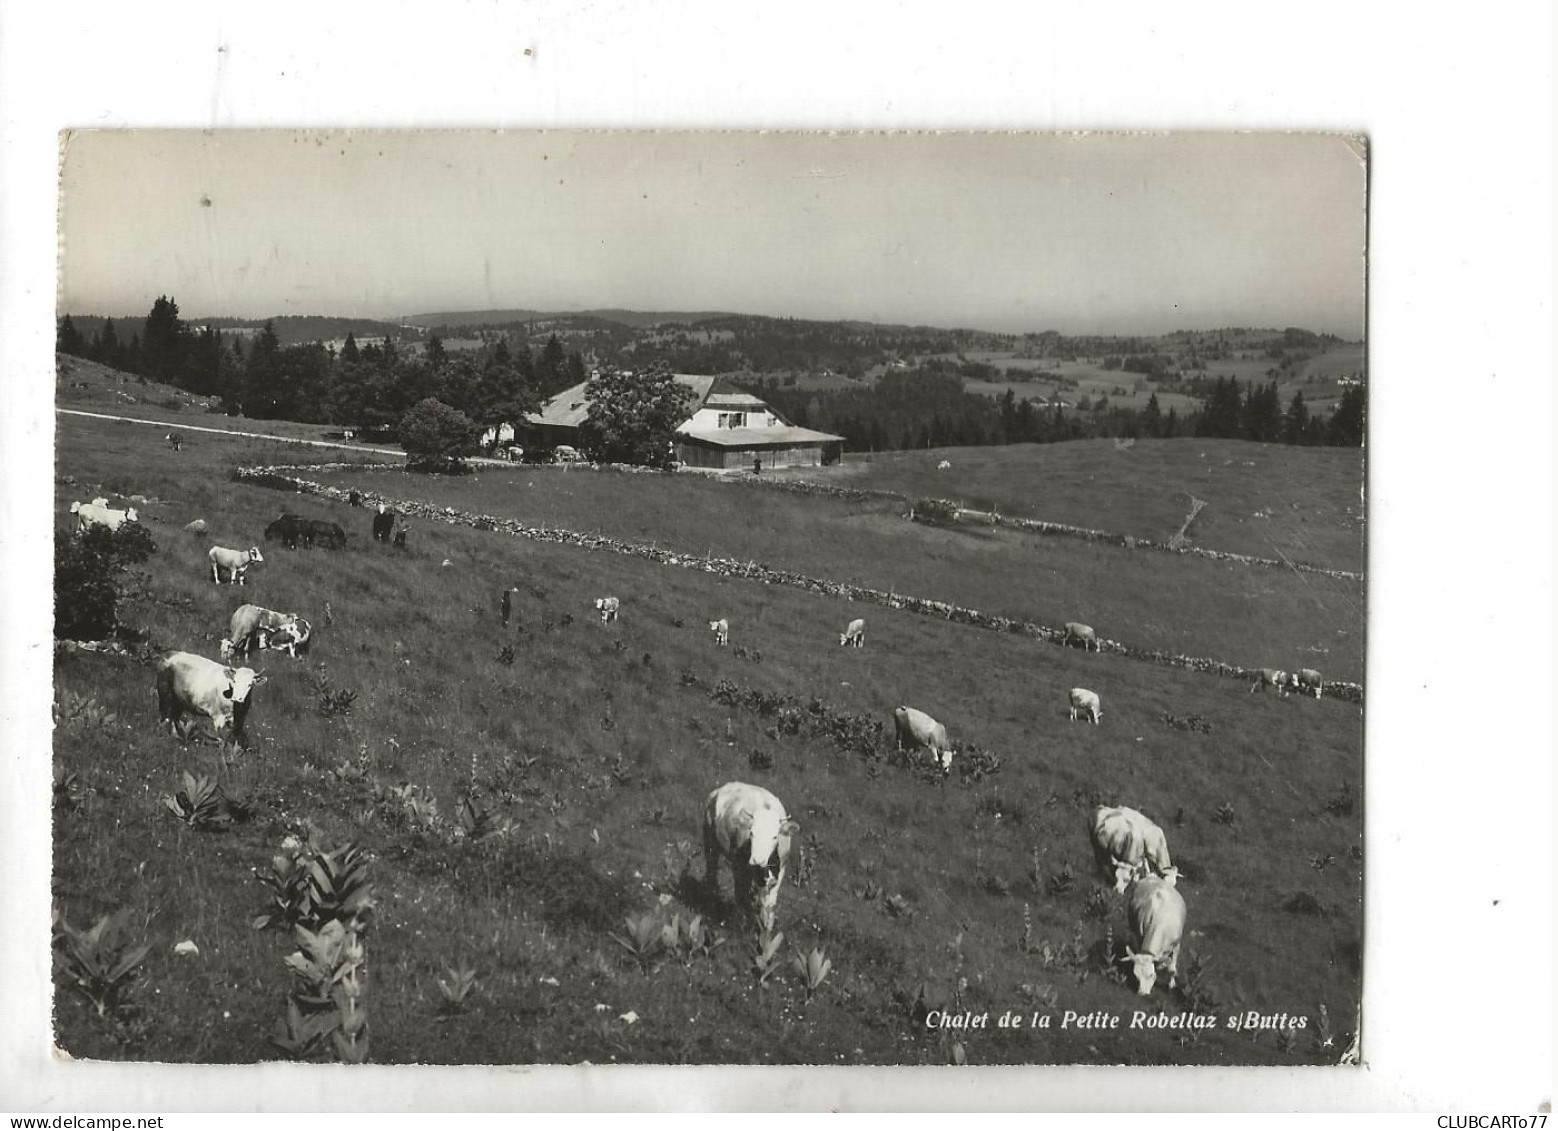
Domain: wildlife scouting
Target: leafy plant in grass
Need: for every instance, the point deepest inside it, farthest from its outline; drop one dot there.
(101, 962)
(813, 967)
(69, 792)
(200, 804)
(645, 937)
(83, 710)
(329, 1001)
(1225, 814)
(767, 960)
(456, 986)
(479, 822)
(1195, 988)
(1061, 882)
(312, 887)
(688, 938)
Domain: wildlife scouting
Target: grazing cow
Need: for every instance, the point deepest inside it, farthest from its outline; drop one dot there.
(854, 634)
(400, 535)
(1081, 633)
(918, 731)
(1084, 700)
(1128, 845)
(1156, 914)
(508, 604)
(607, 607)
(1274, 677)
(943, 465)
(1307, 679)
(354, 498)
(721, 630)
(235, 562)
(327, 534)
(98, 513)
(291, 529)
(747, 825)
(383, 524)
(173, 440)
(249, 627)
(192, 684)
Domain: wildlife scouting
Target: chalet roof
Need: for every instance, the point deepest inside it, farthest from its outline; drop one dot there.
(758, 437)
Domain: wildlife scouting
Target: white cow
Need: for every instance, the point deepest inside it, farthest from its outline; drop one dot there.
(235, 562)
(943, 465)
(98, 513)
(1084, 633)
(1156, 914)
(1307, 679)
(1084, 700)
(1274, 677)
(187, 683)
(854, 634)
(607, 607)
(748, 826)
(721, 630)
(1128, 845)
(916, 730)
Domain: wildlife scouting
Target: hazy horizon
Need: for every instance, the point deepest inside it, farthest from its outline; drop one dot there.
(1114, 234)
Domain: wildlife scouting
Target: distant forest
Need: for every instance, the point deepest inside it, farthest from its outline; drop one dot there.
(375, 385)
(513, 367)
(925, 408)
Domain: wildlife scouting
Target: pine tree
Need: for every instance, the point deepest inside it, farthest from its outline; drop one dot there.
(1295, 425)
(68, 339)
(1347, 422)
(105, 347)
(435, 354)
(1152, 417)
(163, 342)
(349, 351)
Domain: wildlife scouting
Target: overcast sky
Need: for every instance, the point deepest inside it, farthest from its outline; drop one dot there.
(1078, 233)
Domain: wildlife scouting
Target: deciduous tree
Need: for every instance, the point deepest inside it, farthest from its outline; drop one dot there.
(633, 416)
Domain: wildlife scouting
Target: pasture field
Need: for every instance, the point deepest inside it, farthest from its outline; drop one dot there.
(1309, 501)
(1249, 616)
(600, 742)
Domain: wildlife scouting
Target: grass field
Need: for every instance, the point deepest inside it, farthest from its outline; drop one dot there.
(1228, 611)
(600, 743)
(1267, 500)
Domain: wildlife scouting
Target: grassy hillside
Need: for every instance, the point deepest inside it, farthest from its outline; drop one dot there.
(600, 743)
(1268, 500)
(1249, 616)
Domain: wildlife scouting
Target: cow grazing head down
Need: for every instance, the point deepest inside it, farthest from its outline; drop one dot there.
(770, 851)
(1144, 968)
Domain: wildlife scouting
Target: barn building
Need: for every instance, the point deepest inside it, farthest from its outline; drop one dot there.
(729, 428)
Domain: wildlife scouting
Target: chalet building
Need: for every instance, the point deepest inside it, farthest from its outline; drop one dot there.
(729, 428)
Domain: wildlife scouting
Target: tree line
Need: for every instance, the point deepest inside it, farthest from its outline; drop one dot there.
(374, 385)
(930, 409)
